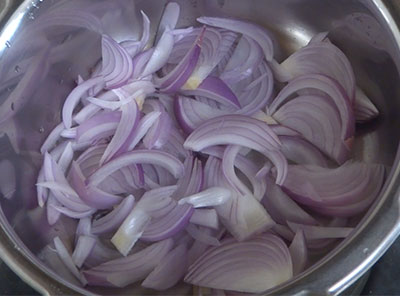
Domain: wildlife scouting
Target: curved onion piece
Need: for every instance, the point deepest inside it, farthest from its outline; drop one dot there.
(146, 31)
(341, 192)
(329, 87)
(8, 179)
(130, 230)
(143, 127)
(301, 151)
(75, 96)
(216, 44)
(364, 109)
(168, 225)
(245, 59)
(205, 217)
(247, 167)
(210, 197)
(196, 181)
(52, 138)
(298, 252)
(160, 54)
(202, 235)
(152, 205)
(180, 74)
(117, 66)
(169, 19)
(82, 250)
(253, 266)
(318, 58)
(159, 133)
(317, 119)
(53, 173)
(51, 212)
(282, 208)
(112, 220)
(66, 157)
(243, 131)
(140, 61)
(214, 88)
(191, 113)
(124, 271)
(243, 215)
(67, 260)
(98, 127)
(129, 120)
(256, 32)
(172, 164)
(64, 188)
(258, 93)
(169, 271)
(91, 195)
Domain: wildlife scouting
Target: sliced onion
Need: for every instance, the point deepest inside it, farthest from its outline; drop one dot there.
(179, 75)
(169, 271)
(244, 60)
(216, 44)
(169, 19)
(129, 120)
(298, 251)
(243, 215)
(66, 157)
(117, 66)
(253, 266)
(161, 53)
(202, 234)
(82, 250)
(143, 127)
(168, 225)
(75, 96)
(124, 271)
(258, 33)
(131, 230)
(282, 208)
(239, 130)
(91, 195)
(205, 217)
(163, 159)
(329, 87)
(317, 119)
(318, 58)
(52, 138)
(112, 220)
(344, 191)
(52, 214)
(159, 133)
(67, 260)
(300, 151)
(210, 197)
(214, 88)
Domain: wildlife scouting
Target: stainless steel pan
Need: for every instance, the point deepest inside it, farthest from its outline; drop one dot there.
(366, 30)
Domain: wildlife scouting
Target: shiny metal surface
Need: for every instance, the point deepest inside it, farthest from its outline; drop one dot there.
(366, 30)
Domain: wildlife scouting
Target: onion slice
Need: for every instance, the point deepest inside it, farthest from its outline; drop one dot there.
(253, 266)
(124, 271)
(256, 32)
